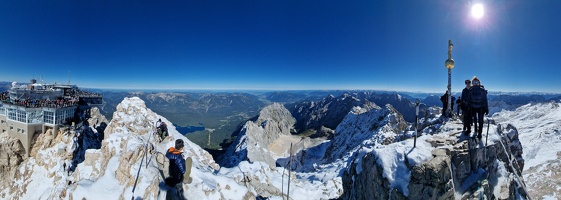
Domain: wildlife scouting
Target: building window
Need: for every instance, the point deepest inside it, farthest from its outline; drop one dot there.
(49, 117)
(11, 114)
(16, 115)
(62, 116)
(21, 116)
(59, 116)
(35, 116)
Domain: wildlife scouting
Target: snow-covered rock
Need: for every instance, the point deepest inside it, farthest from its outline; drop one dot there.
(454, 168)
(110, 172)
(130, 144)
(540, 134)
(368, 125)
(268, 139)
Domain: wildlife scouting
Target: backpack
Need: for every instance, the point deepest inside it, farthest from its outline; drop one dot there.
(478, 97)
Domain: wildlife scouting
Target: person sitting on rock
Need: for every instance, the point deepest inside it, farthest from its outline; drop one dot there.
(162, 131)
(177, 166)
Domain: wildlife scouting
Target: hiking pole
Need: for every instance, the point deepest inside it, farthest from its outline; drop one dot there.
(488, 124)
(416, 119)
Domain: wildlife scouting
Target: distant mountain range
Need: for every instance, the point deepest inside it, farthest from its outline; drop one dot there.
(5, 86)
(221, 114)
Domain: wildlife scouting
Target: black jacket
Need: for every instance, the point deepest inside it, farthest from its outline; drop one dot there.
(176, 166)
(465, 98)
(478, 97)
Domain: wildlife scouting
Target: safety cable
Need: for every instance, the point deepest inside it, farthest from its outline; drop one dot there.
(512, 167)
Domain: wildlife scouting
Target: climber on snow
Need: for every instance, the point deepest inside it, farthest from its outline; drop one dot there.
(162, 130)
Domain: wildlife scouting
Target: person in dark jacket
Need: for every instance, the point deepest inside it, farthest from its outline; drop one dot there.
(444, 100)
(162, 130)
(478, 104)
(467, 119)
(452, 105)
(176, 166)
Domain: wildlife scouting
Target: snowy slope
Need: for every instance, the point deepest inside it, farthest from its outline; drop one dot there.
(539, 126)
(126, 138)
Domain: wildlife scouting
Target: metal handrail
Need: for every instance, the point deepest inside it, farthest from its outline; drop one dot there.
(145, 156)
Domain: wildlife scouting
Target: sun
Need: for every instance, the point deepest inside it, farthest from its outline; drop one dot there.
(477, 11)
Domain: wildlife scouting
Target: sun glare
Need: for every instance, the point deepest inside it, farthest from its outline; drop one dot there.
(477, 11)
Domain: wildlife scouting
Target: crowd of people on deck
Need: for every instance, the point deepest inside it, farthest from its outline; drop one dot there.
(56, 103)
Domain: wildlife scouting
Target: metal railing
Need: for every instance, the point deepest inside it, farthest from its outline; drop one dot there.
(145, 156)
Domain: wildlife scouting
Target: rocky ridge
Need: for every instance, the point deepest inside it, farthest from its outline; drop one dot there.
(267, 139)
(459, 168)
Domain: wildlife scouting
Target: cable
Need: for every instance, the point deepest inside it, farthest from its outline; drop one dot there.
(513, 169)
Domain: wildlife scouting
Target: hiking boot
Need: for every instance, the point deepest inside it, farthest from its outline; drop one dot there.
(467, 132)
(479, 136)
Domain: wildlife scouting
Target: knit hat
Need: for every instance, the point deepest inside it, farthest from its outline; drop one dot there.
(475, 81)
(179, 144)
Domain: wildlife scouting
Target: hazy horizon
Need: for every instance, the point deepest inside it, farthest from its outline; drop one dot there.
(218, 90)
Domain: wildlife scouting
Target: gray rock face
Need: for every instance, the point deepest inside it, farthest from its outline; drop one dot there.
(327, 113)
(11, 155)
(465, 168)
(371, 123)
(255, 141)
(368, 184)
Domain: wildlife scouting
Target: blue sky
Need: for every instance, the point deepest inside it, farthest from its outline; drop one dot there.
(294, 44)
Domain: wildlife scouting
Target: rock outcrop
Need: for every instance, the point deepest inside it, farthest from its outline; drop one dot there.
(267, 139)
(369, 123)
(11, 155)
(128, 137)
(463, 168)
